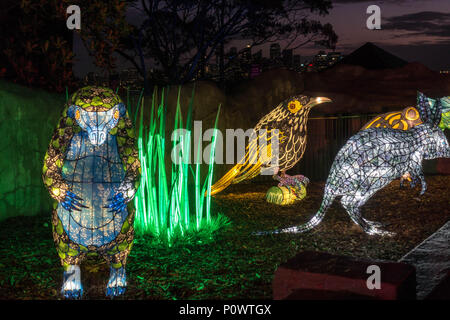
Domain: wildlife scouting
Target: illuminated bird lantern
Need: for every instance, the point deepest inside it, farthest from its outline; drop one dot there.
(92, 170)
(373, 158)
(410, 117)
(283, 133)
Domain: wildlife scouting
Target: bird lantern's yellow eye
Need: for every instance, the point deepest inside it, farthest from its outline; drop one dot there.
(116, 114)
(77, 114)
(412, 114)
(294, 106)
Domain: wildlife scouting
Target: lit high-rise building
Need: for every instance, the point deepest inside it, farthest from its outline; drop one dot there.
(296, 61)
(334, 57)
(287, 57)
(246, 55)
(275, 51)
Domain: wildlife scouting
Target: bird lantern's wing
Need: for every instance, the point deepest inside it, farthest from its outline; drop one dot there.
(294, 146)
(259, 152)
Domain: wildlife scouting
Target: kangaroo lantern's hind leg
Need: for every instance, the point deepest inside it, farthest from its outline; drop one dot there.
(352, 206)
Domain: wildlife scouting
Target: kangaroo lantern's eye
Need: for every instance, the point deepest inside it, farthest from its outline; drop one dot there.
(294, 106)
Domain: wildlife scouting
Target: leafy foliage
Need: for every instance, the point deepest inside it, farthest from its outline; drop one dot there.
(36, 44)
(104, 30)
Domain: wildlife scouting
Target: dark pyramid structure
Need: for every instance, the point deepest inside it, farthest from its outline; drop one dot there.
(369, 56)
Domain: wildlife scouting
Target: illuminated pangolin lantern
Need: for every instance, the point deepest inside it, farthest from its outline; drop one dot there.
(92, 171)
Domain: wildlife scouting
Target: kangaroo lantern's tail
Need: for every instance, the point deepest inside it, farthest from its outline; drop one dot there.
(315, 220)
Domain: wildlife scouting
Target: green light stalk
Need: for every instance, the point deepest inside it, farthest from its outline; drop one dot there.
(164, 208)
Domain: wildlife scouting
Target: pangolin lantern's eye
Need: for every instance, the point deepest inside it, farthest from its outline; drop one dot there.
(77, 114)
(116, 114)
(294, 106)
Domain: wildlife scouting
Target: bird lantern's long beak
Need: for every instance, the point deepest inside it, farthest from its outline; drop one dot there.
(319, 100)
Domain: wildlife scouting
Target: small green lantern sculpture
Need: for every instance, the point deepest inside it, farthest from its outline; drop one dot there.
(289, 190)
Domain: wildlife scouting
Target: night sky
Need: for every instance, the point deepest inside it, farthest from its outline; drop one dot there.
(415, 30)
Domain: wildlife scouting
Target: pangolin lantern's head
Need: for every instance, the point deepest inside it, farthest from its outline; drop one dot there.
(96, 110)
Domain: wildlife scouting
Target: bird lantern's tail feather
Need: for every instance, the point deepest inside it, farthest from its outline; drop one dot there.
(248, 168)
(226, 180)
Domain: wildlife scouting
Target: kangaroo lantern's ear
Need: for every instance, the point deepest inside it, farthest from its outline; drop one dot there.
(429, 109)
(445, 113)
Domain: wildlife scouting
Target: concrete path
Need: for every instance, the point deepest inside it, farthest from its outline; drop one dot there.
(430, 258)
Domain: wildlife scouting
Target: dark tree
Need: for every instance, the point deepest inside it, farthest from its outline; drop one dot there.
(105, 31)
(36, 46)
(181, 36)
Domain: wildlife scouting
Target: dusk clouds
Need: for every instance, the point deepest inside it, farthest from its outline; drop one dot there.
(425, 23)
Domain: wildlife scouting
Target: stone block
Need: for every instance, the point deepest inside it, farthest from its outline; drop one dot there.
(316, 275)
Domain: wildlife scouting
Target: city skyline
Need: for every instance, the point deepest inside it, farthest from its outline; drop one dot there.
(414, 30)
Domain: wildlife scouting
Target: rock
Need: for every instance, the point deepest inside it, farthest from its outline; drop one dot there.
(317, 275)
(308, 294)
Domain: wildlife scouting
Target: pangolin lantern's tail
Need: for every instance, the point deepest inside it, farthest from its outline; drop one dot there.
(315, 220)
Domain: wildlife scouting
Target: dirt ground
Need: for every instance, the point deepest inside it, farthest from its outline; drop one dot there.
(234, 264)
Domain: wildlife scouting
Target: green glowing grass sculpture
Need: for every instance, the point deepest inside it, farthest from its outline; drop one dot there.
(164, 208)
